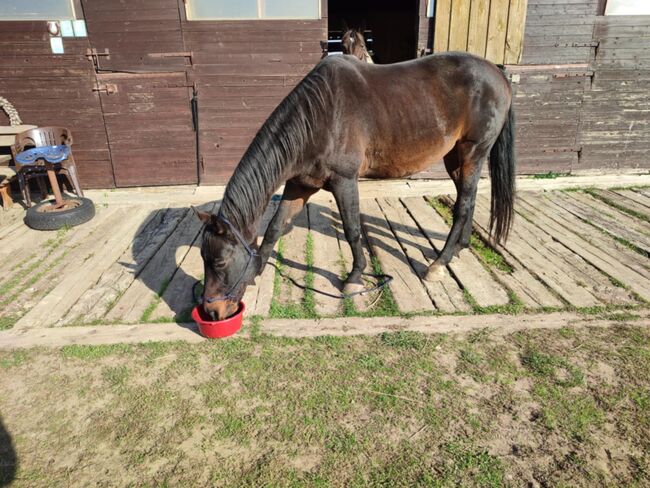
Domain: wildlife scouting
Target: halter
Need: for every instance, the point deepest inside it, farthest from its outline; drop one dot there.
(251, 254)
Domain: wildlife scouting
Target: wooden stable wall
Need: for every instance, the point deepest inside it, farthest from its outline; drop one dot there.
(142, 134)
(582, 97)
(56, 90)
(581, 87)
(242, 71)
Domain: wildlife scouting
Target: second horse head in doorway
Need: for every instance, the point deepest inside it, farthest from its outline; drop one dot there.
(353, 42)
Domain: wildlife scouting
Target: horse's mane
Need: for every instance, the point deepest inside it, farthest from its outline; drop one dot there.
(279, 143)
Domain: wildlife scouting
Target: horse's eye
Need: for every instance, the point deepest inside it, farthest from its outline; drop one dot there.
(218, 263)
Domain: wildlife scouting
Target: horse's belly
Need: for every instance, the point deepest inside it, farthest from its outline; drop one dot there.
(404, 161)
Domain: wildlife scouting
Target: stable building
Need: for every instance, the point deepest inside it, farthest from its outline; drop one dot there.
(164, 92)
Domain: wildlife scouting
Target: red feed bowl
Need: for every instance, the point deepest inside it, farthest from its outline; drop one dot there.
(217, 329)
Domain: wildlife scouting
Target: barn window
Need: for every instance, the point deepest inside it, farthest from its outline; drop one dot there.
(252, 9)
(37, 10)
(627, 7)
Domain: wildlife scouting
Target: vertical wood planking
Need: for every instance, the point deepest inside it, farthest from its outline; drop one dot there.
(497, 26)
(478, 21)
(515, 34)
(459, 25)
(442, 25)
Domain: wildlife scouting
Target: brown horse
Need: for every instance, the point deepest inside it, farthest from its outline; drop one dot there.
(348, 119)
(353, 43)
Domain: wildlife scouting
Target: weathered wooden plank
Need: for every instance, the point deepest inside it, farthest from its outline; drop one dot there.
(555, 210)
(97, 301)
(293, 260)
(515, 32)
(100, 254)
(408, 291)
(478, 22)
(497, 27)
(327, 258)
(446, 295)
(459, 25)
(159, 270)
(585, 275)
(606, 218)
(499, 324)
(637, 197)
(258, 295)
(466, 268)
(528, 289)
(44, 272)
(621, 200)
(442, 26)
(606, 262)
(548, 267)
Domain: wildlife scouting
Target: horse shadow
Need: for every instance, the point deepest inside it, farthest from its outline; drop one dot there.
(8, 457)
(176, 232)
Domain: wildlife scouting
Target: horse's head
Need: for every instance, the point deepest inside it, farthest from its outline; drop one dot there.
(230, 263)
(353, 43)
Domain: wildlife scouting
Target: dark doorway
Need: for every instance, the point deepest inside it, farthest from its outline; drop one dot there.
(392, 24)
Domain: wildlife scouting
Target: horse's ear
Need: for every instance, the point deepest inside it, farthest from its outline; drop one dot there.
(203, 216)
(218, 225)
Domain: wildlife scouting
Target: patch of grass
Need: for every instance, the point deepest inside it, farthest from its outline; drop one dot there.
(484, 469)
(146, 313)
(95, 352)
(440, 207)
(115, 376)
(513, 307)
(550, 175)
(308, 301)
(8, 322)
(552, 368)
(12, 359)
(404, 340)
(488, 254)
(574, 414)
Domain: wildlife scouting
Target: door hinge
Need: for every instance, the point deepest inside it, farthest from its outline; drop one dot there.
(108, 88)
(183, 54)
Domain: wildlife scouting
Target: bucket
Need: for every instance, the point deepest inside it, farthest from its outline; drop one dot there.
(218, 329)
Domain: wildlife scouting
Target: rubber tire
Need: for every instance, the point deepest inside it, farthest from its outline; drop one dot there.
(55, 220)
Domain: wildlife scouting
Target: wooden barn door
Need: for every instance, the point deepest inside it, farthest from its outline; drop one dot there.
(141, 65)
(493, 29)
(149, 125)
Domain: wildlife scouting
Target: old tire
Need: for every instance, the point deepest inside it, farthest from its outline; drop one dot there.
(76, 212)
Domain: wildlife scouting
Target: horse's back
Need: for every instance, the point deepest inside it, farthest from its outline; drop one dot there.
(402, 116)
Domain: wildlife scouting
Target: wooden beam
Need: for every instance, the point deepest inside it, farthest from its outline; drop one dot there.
(478, 23)
(515, 32)
(442, 23)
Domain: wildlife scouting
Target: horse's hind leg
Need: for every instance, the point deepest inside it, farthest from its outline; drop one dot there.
(464, 165)
(293, 200)
(346, 194)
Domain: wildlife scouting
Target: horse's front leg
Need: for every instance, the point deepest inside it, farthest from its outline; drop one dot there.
(346, 194)
(293, 201)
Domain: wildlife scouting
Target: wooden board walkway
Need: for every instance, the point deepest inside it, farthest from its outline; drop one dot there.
(135, 263)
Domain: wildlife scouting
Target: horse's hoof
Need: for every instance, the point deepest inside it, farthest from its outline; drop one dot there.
(435, 273)
(351, 288)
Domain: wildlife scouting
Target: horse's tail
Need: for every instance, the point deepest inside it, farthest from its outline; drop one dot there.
(502, 174)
